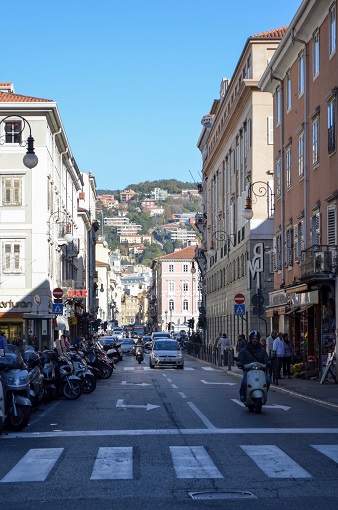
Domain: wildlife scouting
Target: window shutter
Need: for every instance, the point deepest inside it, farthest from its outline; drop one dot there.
(273, 266)
(270, 130)
(279, 248)
(331, 224)
(288, 248)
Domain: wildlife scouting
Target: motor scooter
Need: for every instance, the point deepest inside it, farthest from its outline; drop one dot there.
(37, 391)
(139, 354)
(256, 391)
(16, 405)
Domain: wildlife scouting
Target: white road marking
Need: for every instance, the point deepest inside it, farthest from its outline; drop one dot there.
(35, 466)
(210, 369)
(135, 384)
(188, 368)
(204, 419)
(169, 432)
(330, 450)
(274, 462)
(128, 368)
(113, 463)
(272, 406)
(228, 383)
(193, 462)
(182, 394)
(174, 386)
(148, 407)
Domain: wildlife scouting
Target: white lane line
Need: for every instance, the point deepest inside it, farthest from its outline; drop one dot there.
(204, 419)
(210, 369)
(174, 386)
(330, 450)
(224, 383)
(113, 463)
(169, 380)
(183, 395)
(274, 462)
(128, 368)
(193, 462)
(35, 466)
(169, 432)
(188, 368)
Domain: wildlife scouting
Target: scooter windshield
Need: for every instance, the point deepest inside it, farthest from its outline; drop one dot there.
(11, 357)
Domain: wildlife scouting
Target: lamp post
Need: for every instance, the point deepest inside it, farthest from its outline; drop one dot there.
(221, 236)
(30, 160)
(259, 189)
(60, 218)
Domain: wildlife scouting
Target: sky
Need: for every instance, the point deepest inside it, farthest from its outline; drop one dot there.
(132, 79)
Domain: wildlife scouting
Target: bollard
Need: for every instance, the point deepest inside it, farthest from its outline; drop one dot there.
(229, 359)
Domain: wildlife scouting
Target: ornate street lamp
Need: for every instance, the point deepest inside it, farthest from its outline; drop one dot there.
(30, 160)
(60, 218)
(222, 236)
(259, 189)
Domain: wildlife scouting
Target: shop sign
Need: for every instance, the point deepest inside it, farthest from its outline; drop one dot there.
(17, 304)
(256, 265)
(77, 293)
(304, 298)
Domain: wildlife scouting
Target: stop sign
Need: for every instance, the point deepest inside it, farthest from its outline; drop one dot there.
(58, 293)
(239, 299)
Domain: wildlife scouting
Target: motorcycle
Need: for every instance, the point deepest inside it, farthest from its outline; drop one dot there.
(139, 354)
(67, 384)
(16, 407)
(256, 390)
(49, 377)
(37, 390)
(88, 379)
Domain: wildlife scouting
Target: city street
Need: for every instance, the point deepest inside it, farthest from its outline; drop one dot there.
(169, 439)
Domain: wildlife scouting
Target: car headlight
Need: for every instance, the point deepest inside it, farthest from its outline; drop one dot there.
(179, 354)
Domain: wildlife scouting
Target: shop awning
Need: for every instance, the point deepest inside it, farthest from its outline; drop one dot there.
(296, 288)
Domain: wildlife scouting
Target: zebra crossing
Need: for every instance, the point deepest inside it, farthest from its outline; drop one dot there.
(189, 462)
(148, 369)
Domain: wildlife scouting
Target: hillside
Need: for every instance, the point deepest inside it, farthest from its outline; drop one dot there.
(175, 203)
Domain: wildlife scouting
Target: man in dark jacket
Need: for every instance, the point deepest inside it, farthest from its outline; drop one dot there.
(249, 354)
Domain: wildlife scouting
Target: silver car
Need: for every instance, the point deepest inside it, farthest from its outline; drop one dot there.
(166, 353)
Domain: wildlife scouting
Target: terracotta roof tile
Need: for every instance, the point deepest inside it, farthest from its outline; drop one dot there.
(271, 34)
(18, 98)
(186, 253)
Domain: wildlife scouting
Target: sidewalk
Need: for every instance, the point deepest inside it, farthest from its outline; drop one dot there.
(325, 394)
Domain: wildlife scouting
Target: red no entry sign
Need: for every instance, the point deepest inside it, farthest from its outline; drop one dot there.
(239, 299)
(58, 293)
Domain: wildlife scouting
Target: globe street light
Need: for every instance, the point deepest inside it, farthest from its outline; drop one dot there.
(30, 160)
(219, 235)
(262, 190)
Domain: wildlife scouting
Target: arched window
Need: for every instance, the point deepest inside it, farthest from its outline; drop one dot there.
(171, 304)
(185, 304)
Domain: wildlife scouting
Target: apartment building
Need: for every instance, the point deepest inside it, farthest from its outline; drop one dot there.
(302, 76)
(236, 145)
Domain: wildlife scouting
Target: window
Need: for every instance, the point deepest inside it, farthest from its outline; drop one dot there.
(298, 241)
(288, 91)
(331, 126)
(12, 257)
(270, 130)
(332, 25)
(279, 248)
(248, 147)
(301, 74)
(315, 141)
(185, 268)
(288, 247)
(171, 305)
(315, 238)
(301, 155)
(185, 287)
(288, 167)
(171, 286)
(332, 224)
(278, 177)
(278, 105)
(185, 304)
(316, 53)
(13, 130)
(249, 68)
(171, 268)
(12, 191)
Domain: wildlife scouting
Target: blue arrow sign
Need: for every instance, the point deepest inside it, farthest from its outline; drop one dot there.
(57, 308)
(239, 309)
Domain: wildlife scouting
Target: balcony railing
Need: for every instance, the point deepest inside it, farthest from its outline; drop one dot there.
(319, 261)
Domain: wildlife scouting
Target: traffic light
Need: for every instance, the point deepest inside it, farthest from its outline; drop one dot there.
(191, 323)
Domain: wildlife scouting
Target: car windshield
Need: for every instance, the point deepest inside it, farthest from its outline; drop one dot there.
(164, 345)
(131, 341)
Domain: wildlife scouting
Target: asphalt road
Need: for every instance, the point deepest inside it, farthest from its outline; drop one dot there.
(172, 439)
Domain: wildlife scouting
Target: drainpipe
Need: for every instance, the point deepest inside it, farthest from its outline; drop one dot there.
(282, 194)
(306, 177)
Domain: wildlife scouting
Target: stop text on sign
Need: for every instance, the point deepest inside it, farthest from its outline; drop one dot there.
(81, 293)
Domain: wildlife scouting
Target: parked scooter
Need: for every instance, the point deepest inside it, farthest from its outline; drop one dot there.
(14, 388)
(67, 384)
(49, 376)
(139, 353)
(256, 391)
(37, 390)
(88, 379)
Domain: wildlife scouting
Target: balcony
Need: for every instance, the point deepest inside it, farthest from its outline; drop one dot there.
(319, 262)
(200, 222)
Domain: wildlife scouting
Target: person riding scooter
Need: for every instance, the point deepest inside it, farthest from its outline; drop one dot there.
(249, 354)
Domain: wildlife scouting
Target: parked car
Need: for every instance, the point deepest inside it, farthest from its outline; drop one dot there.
(159, 334)
(146, 341)
(166, 353)
(127, 346)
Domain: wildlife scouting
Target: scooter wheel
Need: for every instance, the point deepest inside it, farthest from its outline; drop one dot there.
(258, 405)
(88, 385)
(20, 421)
(106, 372)
(73, 391)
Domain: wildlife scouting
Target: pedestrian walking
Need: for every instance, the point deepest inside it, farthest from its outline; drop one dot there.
(217, 339)
(278, 352)
(223, 344)
(269, 348)
(241, 343)
(287, 356)
(3, 340)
